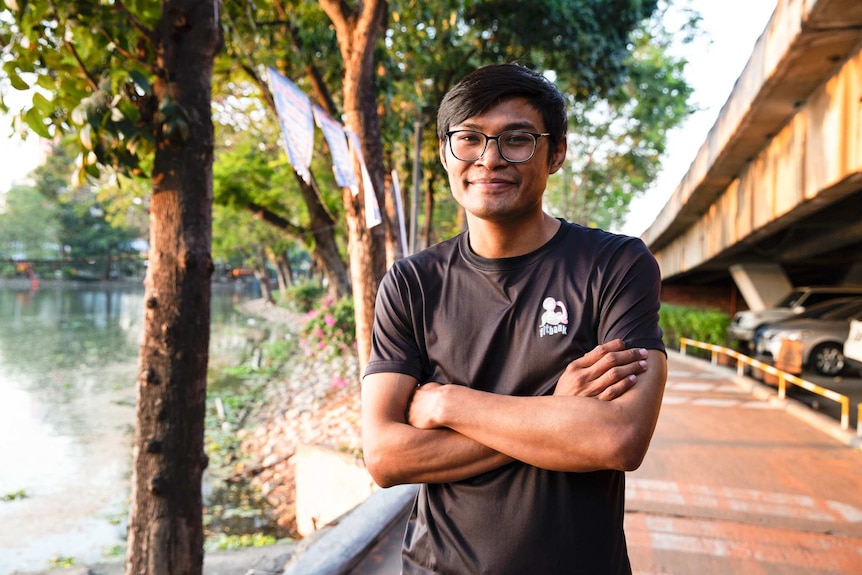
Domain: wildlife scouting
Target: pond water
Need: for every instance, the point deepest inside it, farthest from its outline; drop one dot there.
(68, 362)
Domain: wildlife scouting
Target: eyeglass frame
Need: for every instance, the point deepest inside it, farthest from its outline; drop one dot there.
(536, 137)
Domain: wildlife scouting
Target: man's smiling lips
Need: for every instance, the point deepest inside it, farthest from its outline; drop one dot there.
(491, 184)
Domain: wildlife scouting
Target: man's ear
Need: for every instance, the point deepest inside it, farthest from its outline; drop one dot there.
(558, 157)
(443, 153)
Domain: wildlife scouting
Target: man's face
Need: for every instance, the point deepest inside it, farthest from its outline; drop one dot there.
(491, 188)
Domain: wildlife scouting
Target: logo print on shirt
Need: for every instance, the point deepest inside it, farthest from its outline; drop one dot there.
(555, 319)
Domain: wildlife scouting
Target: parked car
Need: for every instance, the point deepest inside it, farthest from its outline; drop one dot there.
(744, 323)
(821, 329)
(853, 346)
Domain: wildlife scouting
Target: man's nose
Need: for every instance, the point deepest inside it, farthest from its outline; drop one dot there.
(492, 156)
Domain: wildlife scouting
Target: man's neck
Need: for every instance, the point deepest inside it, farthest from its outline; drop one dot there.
(491, 239)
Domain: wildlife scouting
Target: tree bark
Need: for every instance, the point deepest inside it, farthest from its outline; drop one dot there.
(283, 272)
(165, 534)
(325, 248)
(428, 224)
(357, 32)
(261, 275)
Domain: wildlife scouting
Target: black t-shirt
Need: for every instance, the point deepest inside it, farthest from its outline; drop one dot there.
(511, 326)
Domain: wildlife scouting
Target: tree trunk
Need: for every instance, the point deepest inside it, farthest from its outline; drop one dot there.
(324, 249)
(357, 33)
(428, 224)
(323, 230)
(165, 534)
(283, 272)
(261, 275)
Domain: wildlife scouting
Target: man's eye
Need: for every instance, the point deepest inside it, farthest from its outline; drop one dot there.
(517, 140)
(469, 138)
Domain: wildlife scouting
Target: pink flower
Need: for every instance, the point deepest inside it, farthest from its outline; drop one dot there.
(321, 345)
(339, 382)
(329, 320)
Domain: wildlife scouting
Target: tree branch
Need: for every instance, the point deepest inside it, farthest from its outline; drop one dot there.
(276, 220)
(93, 82)
(137, 24)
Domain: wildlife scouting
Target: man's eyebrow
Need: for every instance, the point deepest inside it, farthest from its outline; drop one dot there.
(527, 126)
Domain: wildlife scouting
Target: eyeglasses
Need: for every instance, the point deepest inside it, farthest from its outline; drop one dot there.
(515, 146)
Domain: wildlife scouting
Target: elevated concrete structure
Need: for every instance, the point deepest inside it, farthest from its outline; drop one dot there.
(779, 179)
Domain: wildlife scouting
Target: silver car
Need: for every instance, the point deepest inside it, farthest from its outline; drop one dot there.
(822, 330)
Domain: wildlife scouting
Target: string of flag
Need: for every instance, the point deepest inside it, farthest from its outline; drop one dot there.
(297, 117)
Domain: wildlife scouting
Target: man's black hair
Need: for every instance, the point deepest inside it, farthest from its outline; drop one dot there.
(483, 87)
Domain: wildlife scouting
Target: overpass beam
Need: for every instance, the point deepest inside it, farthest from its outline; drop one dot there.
(761, 285)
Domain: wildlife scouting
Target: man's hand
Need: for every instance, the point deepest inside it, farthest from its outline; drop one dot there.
(606, 372)
(422, 411)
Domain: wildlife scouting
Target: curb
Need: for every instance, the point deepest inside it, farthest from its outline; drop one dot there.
(338, 548)
(764, 392)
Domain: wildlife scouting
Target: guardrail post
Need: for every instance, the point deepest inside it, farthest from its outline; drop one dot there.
(682, 344)
(782, 385)
(845, 413)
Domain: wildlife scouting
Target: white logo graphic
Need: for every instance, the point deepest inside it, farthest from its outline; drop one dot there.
(555, 318)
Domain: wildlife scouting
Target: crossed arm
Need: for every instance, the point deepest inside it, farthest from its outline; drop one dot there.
(601, 416)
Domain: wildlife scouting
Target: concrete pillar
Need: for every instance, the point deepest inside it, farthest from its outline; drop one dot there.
(761, 285)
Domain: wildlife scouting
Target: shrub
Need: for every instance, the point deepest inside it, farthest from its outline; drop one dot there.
(330, 329)
(704, 325)
(304, 297)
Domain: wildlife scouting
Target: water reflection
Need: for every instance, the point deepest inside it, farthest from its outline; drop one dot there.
(68, 359)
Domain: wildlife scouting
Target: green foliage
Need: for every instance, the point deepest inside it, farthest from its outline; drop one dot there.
(29, 226)
(585, 41)
(330, 329)
(61, 562)
(14, 495)
(617, 143)
(305, 296)
(94, 67)
(700, 324)
(114, 551)
(226, 542)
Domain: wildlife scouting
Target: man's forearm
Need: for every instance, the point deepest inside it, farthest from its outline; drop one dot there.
(552, 432)
(396, 452)
(411, 455)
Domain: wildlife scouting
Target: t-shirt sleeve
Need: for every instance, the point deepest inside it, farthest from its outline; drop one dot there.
(630, 297)
(394, 344)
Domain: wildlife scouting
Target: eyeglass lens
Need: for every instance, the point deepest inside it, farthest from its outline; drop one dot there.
(514, 146)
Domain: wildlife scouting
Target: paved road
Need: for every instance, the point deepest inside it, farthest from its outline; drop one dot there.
(734, 483)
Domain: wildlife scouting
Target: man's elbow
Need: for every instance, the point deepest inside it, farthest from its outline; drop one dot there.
(630, 454)
(381, 471)
(632, 461)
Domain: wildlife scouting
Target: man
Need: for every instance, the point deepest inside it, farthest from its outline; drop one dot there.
(517, 369)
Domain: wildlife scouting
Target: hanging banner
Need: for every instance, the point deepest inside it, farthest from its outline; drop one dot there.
(372, 209)
(342, 165)
(297, 122)
(399, 209)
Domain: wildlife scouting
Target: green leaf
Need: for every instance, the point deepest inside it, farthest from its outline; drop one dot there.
(17, 82)
(35, 121)
(129, 110)
(47, 82)
(44, 104)
(141, 81)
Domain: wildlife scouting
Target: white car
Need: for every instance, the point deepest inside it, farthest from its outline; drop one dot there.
(821, 330)
(745, 323)
(853, 345)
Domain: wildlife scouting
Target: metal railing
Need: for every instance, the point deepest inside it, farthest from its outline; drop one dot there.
(784, 378)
